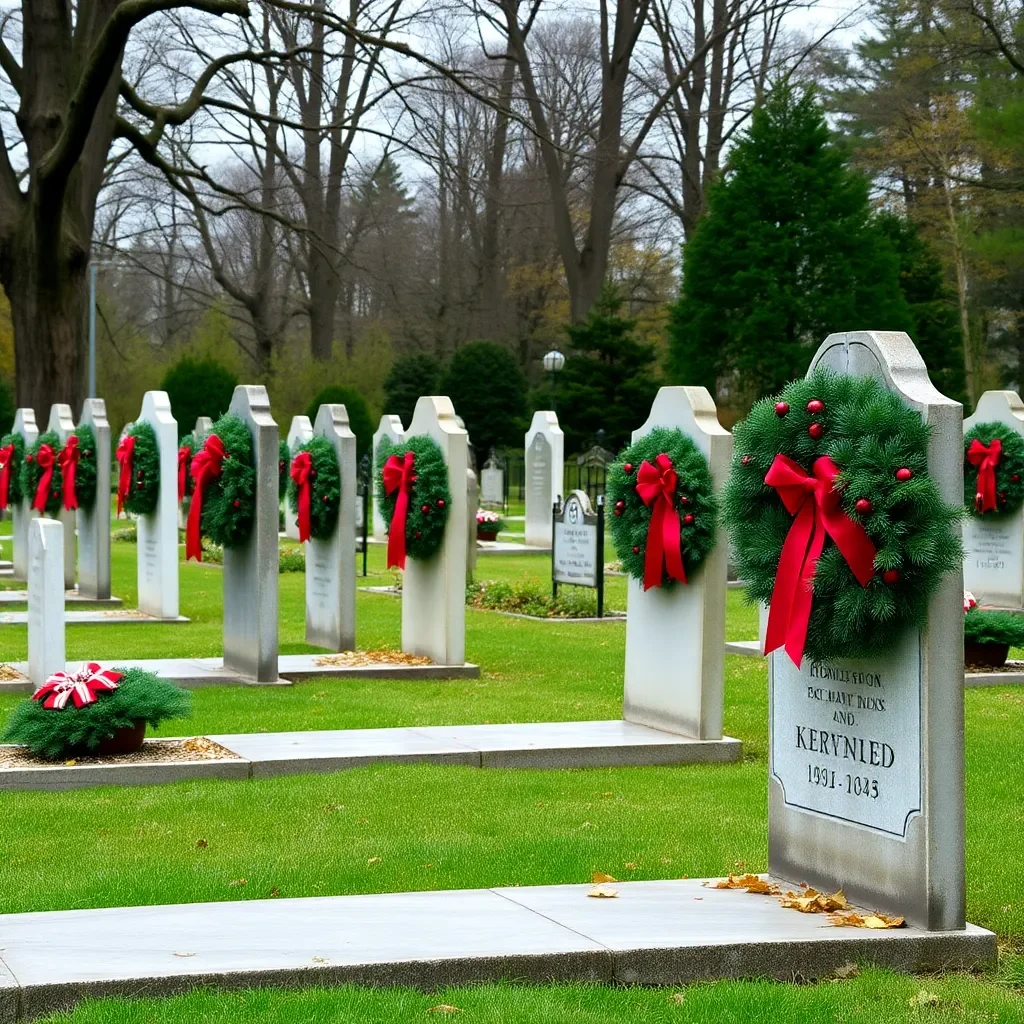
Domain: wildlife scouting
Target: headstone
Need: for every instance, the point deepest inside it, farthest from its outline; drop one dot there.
(390, 428)
(434, 590)
(472, 503)
(201, 429)
(492, 482)
(299, 433)
(251, 570)
(62, 423)
(866, 772)
(330, 567)
(45, 599)
(94, 523)
(545, 444)
(158, 532)
(994, 545)
(675, 637)
(576, 554)
(22, 512)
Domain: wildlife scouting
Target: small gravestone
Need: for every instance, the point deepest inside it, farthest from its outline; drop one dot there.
(390, 430)
(545, 444)
(675, 637)
(299, 433)
(866, 761)
(45, 599)
(434, 589)
(62, 423)
(994, 545)
(492, 482)
(251, 569)
(158, 531)
(330, 567)
(94, 523)
(22, 512)
(472, 503)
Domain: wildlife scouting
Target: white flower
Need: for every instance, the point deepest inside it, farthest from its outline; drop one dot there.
(969, 601)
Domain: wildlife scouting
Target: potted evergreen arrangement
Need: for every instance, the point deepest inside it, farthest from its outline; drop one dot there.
(989, 634)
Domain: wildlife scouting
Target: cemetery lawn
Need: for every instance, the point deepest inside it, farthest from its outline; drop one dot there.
(398, 827)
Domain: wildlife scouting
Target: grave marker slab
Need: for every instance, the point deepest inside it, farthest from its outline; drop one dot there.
(62, 423)
(866, 773)
(330, 565)
(576, 556)
(158, 532)
(45, 599)
(545, 444)
(492, 482)
(434, 590)
(251, 570)
(390, 427)
(94, 523)
(675, 637)
(299, 433)
(22, 512)
(994, 545)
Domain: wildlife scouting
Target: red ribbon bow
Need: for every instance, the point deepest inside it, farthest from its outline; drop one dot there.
(986, 458)
(302, 467)
(126, 460)
(814, 502)
(6, 457)
(68, 460)
(82, 687)
(45, 460)
(184, 458)
(656, 485)
(206, 466)
(398, 476)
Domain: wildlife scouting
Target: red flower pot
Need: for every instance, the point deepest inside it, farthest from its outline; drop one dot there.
(124, 741)
(985, 655)
(482, 534)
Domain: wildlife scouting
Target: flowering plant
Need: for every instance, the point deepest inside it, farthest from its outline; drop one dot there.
(488, 522)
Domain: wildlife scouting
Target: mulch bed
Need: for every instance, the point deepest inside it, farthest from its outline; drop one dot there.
(362, 659)
(196, 748)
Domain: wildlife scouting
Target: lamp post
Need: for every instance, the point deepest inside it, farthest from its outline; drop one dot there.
(553, 362)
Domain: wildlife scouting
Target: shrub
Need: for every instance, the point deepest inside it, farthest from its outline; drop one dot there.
(359, 419)
(410, 376)
(530, 597)
(198, 387)
(994, 627)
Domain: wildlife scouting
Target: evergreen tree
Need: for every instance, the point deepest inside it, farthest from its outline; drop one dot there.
(787, 253)
(359, 420)
(609, 379)
(198, 387)
(409, 377)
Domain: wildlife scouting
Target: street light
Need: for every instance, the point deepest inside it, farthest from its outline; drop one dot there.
(553, 362)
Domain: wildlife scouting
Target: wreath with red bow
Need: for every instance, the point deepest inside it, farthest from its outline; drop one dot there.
(314, 488)
(413, 496)
(835, 523)
(223, 471)
(663, 509)
(12, 458)
(56, 476)
(993, 470)
(187, 447)
(138, 477)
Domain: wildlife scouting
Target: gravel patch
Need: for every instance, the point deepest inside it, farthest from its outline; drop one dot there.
(196, 748)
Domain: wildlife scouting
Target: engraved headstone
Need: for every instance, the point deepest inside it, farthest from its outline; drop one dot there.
(545, 444)
(22, 512)
(94, 523)
(472, 503)
(299, 433)
(866, 772)
(251, 569)
(994, 544)
(45, 599)
(434, 589)
(492, 482)
(575, 555)
(62, 423)
(330, 567)
(675, 636)
(158, 531)
(390, 428)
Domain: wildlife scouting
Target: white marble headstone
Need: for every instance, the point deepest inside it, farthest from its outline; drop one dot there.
(545, 458)
(45, 599)
(492, 484)
(675, 637)
(434, 589)
(994, 544)
(94, 523)
(299, 433)
(62, 423)
(391, 428)
(22, 512)
(158, 532)
(866, 756)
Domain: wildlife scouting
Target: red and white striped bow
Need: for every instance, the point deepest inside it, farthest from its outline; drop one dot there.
(82, 687)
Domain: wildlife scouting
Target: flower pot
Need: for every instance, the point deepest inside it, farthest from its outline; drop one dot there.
(985, 655)
(127, 740)
(486, 534)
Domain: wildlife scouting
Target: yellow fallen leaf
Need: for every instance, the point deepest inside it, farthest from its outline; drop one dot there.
(925, 998)
(184, 954)
(851, 919)
(599, 876)
(814, 902)
(749, 883)
(444, 1008)
(373, 860)
(239, 881)
(602, 892)
(678, 998)
(71, 762)
(631, 865)
(319, 959)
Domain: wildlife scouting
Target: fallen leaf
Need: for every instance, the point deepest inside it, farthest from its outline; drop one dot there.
(666, 860)
(748, 883)
(602, 892)
(239, 881)
(444, 1008)
(183, 954)
(631, 865)
(274, 892)
(201, 844)
(814, 902)
(851, 919)
(71, 762)
(850, 970)
(319, 959)
(373, 860)
(925, 998)
(599, 876)
(678, 998)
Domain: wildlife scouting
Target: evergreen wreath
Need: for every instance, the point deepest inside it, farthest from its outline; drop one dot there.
(429, 497)
(284, 461)
(85, 472)
(144, 493)
(693, 499)
(229, 501)
(14, 489)
(191, 443)
(140, 696)
(325, 488)
(880, 448)
(1009, 470)
(31, 472)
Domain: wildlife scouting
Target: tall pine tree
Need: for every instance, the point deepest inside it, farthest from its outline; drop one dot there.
(787, 253)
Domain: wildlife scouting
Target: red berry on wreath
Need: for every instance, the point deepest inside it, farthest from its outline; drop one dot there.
(683, 499)
(636, 550)
(139, 474)
(628, 467)
(1015, 479)
(419, 533)
(138, 487)
(237, 503)
(440, 502)
(618, 511)
(28, 458)
(745, 460)
(280, 467)
(816, 430)
(424, 509)
(326, 499)
(863, 506)
(891, 576)
(688, 519)
(781, 408)
(815, 405)
(903, 475)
